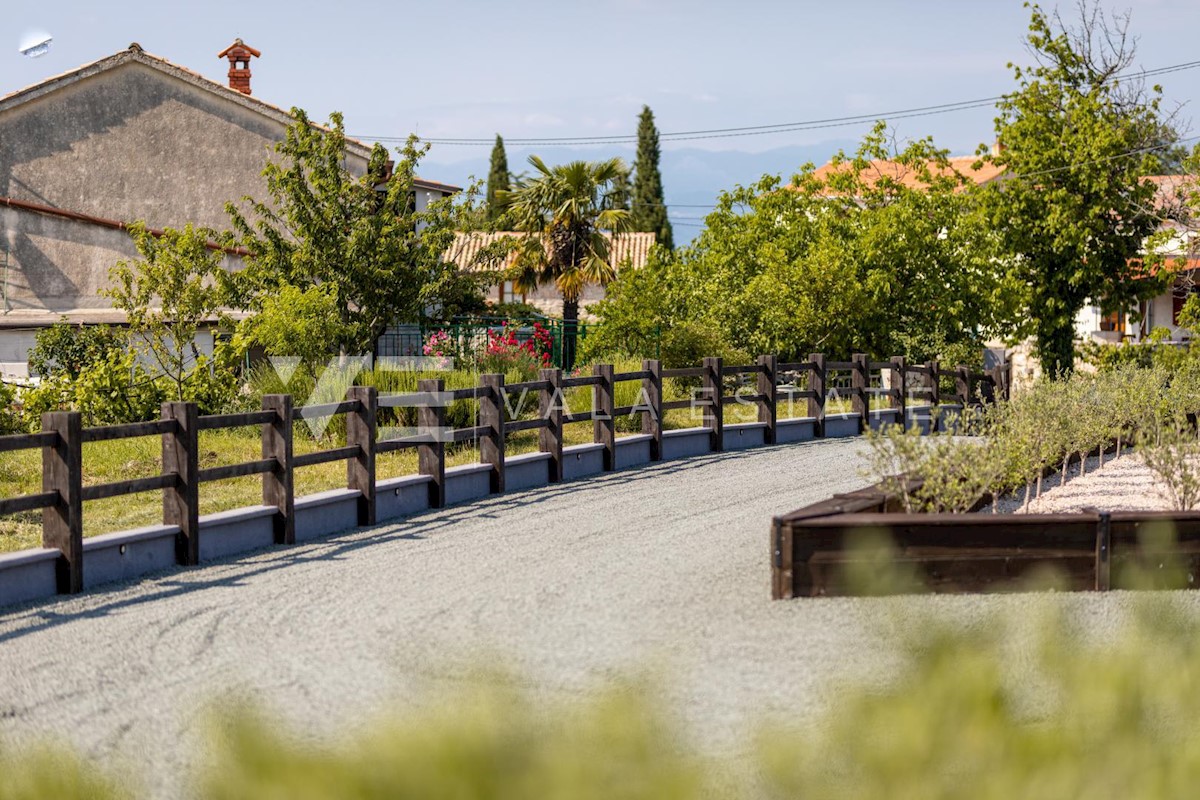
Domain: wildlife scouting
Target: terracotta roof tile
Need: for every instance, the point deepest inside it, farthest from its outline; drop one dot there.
(906, 176)
(1172, 191)
(634, 247)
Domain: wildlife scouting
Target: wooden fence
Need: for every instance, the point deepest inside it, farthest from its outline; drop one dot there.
(63, 493)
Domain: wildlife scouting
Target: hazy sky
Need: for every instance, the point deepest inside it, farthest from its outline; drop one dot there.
(471, 68)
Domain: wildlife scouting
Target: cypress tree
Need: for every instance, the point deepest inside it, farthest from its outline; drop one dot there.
(649, 210)
(499, 179)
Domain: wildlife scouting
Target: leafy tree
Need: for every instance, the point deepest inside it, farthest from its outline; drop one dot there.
(359, 236)
(169, 294)
(499, 180)
(1072, 212)
(65, 349)
(565, 212)
(295, 322)
(883, 266)
(649, 207)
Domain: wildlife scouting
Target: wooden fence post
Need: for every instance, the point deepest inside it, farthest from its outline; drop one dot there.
(652, 421)
(604, 427)
(991, 385)
(360, 430)
(714, 408)
(962, 385)
(816, 385)
(935, 394)
(431, 455)
(278, 488)
(900, 389)
(860, 401)
(1103, 551)
(551, 404)
(181, 502)
(935, 390)
(768, 386)
(62, 472)
(491, 416)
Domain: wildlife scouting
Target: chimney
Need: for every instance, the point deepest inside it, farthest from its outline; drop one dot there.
(239, 54)
(997, 146)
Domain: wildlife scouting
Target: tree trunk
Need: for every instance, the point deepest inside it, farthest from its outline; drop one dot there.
(1056, 346)
(569, 332)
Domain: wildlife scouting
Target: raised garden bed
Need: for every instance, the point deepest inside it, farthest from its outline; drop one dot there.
(828, 548)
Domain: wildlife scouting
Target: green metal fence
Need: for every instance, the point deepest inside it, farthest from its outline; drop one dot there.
(469, 337)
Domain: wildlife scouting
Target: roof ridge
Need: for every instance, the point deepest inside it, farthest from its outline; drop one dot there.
(136, 52)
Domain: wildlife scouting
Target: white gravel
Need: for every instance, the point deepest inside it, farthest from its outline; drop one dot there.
(664, 568)
(1123, 484)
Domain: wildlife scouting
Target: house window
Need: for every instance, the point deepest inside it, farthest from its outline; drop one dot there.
(1113, 322)
(508, 292)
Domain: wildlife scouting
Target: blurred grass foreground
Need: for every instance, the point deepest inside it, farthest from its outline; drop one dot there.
(1027, 705)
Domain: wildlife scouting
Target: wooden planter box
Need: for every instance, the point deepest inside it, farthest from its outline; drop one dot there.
(819, 550)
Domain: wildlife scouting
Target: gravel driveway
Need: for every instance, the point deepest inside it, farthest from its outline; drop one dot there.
(664, 568)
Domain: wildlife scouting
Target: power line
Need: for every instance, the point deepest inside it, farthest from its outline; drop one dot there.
(716, 133)
(764, 130)
(693, 221)
(1139, 151)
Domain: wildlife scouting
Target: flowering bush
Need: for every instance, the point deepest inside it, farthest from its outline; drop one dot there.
(506, 353)
(439, 344)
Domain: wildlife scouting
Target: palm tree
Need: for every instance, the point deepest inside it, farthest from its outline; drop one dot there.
(564, 213)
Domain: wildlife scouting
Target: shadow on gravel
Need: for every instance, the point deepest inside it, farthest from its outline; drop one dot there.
(37, 617)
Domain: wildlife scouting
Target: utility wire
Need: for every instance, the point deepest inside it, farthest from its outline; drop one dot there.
(763, 130)
(696, 222)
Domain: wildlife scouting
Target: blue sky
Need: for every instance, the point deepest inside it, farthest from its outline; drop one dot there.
(472, 68)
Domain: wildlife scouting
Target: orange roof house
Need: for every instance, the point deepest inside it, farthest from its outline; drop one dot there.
(968, 168)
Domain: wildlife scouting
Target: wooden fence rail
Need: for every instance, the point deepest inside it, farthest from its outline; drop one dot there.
(762, 385)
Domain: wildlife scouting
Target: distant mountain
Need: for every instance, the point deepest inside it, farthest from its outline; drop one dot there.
(691, 176)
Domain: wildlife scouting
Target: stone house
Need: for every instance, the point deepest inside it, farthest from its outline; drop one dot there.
(129, 137)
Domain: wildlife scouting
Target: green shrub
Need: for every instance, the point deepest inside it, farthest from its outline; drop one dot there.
(1044, 427)
(689, 343)
(51, 772)
(115, 390)
(111, 390)
(295, 322)
(487, 742)
(10, 414)
(211, 385)
(1153, 351)
(65, 349)
(1171, 450)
